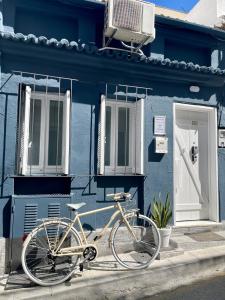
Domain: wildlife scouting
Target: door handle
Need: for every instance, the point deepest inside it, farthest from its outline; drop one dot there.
(194, 153)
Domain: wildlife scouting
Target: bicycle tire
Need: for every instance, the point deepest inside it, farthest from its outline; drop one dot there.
(136, 253)
(37, 260)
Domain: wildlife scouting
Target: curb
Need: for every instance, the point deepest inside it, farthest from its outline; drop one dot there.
(161, 276)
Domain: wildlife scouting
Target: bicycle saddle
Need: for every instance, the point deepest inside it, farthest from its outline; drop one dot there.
(76, 206)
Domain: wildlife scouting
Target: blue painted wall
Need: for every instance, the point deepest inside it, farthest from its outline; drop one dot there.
(55, 19)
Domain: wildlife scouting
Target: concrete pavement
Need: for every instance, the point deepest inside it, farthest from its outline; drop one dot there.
(194, 254)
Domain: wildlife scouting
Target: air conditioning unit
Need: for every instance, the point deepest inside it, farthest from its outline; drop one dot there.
(130, 21)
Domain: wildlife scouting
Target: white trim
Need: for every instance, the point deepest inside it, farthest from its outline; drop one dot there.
(66, 131)
(139, 139)
(115, 105)
(38, 168)
(213, 157)
(174, 166)
(102, 136)
(48, 96)
(213, 166)
(44, 134)
(190, 107)
(45, 99)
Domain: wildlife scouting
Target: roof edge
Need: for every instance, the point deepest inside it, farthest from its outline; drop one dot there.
(91, 49)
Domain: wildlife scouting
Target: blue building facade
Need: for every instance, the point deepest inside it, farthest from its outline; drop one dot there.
(53, 74)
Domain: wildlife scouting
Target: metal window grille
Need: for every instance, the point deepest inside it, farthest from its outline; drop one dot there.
(124, 96)
(118, 93)
(47, 85)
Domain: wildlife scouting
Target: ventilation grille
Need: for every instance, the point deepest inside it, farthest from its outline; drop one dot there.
(30, 219)
(53, 231)
(54, 210)
(127, 14)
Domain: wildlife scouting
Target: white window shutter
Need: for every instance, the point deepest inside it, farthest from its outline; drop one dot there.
(101, 137)
(138, 164)
(24, 129)
(66, 133)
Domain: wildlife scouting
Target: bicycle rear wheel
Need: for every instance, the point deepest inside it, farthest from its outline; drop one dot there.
(38, 261)
(135, 246)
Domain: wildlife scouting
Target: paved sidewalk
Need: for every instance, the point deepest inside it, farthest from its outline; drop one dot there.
(192, 255)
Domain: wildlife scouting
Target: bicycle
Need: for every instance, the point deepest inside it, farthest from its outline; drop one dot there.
(53, 249)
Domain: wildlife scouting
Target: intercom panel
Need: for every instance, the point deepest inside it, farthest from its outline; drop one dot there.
(221, 138)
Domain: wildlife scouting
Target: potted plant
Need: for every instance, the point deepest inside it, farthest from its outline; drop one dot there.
(161, 213)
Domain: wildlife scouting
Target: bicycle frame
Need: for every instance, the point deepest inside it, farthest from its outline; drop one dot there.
(78, 250)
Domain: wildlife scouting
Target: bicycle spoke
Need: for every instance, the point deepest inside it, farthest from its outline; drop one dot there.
(38, 261)
(138, 252)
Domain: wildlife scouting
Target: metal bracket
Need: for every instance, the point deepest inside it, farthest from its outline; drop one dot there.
(132, 49)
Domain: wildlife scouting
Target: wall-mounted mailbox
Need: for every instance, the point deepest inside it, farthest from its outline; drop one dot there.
(161, 144)
(221, 138)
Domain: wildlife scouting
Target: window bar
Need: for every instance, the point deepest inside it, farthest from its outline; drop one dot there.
(135, 144)
(126, 137)
(57, 139)
(135, 86)
(116, 133)
(32, 130)
(20, 126)
(45, 137)
(6, 81)
(44, 75)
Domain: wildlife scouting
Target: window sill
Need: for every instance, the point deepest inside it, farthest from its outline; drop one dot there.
(78, 175)
(30, 185)
(122, 175)
(40, 175)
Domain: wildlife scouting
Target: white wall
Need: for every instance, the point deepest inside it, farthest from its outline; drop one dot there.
(207, 12)
(220, 7)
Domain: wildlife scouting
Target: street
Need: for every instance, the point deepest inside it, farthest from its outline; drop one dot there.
(211, 289)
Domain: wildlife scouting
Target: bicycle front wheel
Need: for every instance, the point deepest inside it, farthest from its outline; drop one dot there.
(38, 259)
(135, 241)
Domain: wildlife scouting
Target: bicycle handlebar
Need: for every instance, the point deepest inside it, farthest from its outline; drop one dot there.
(119, 196)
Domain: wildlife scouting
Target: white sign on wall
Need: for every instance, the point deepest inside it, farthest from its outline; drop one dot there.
(160, 125)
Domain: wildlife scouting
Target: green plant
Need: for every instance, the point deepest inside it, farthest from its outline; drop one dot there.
(161, 213)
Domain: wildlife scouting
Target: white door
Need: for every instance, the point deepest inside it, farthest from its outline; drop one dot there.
(195, 163)
(191, 166)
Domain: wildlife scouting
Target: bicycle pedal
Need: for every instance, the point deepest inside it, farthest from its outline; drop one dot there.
(81, 266)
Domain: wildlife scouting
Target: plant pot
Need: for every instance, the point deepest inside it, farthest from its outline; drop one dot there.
(165, 234)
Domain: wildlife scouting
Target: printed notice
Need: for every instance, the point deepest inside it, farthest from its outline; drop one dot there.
(160, 125)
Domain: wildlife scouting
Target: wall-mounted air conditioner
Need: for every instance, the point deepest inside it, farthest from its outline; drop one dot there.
(130, 21)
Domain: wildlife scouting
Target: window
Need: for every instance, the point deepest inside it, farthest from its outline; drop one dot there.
(121, 137)
(44, 120)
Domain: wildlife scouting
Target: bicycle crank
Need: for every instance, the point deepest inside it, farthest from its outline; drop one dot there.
(89, 254)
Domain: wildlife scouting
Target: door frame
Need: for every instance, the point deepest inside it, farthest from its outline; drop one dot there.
(212, 157)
